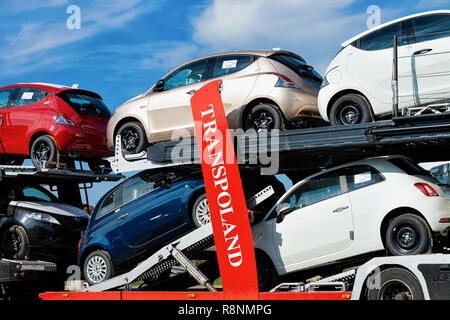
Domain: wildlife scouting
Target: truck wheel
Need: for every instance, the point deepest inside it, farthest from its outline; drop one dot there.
(263, 117)
(132, 136)
(395, 284)
(350, 109)
(266, 274)
(98, 267)
(200, 211)
(15, 243)
(408, 234)
(43, 150)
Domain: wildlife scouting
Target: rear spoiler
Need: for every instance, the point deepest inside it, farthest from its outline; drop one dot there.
(81, 91)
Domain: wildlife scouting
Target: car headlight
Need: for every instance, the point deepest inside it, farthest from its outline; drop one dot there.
(42, 217)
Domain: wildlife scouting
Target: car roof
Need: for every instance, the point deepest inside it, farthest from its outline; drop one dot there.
(53, 88)
(346, 43)
(349, 164)
(261, 53)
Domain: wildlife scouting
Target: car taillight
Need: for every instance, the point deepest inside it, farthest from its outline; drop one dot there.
(285, 82)
(426, 189)
(64, 120)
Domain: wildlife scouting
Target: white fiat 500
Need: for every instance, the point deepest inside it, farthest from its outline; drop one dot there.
(348, 211)
(357, 84)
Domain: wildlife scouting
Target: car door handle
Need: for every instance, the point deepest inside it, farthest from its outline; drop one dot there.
(122, 216)
(340, 209)
(191, 92)
(423, 51)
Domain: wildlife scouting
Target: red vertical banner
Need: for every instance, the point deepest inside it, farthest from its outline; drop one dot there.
(229, 214)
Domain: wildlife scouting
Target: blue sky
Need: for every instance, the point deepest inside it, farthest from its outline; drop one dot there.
(125, 46)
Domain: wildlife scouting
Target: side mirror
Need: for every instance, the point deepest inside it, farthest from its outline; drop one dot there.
(159, 86)
(281, 210)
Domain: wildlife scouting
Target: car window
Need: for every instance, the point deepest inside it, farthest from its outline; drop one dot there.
(315, 190)
(361, 176)
(431, 27)
(381, 39)
(298, 66)
(27, 96)
(230, 64)
(111, 202)
(85, 105)
(140, 185)
(5, 97)
(30, 193)
(189, 74)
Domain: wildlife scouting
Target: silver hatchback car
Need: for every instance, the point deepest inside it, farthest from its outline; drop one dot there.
(262, 90)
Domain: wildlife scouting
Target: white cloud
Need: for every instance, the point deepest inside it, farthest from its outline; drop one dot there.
(311, 28)
(44, 38)
(35, 4)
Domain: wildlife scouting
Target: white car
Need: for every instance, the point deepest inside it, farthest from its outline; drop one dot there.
(357, 83)
(348, 211)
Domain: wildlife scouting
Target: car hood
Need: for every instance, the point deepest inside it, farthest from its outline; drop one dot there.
(51, 207)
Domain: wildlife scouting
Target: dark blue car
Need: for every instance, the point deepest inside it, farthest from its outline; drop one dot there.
(139, 216)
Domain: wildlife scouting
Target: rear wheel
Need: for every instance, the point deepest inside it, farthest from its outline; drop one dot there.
(408, 234)
(263, 117)
(350, 109)
(15, 243)
(43, 151)
(98, 267)
(132, 137)
(395, 284)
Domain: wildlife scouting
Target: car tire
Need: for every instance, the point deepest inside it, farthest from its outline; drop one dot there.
(200, 211)
(394, 284)
(264, 117)
(133, 137)
(350, 109)
(15, 243)
(98, 267)
(43, 150)
(408, 234)
(265, 271)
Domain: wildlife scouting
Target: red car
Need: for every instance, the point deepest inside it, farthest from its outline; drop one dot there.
(42, 120)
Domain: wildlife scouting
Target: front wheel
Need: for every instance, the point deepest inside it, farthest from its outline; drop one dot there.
(394, 284)
(408, 234)
(265, 271)
(200, 211)
(350, 109)
(15, 243)
(98, 267)
(43, 151)
(132, 137)
(263, 117)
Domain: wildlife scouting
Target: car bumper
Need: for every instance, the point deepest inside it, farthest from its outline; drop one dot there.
(295, 103)
(83, 143)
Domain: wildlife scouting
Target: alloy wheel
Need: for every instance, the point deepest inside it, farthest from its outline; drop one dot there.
(262, 121)
(202, 212)
(130, 139)
(96, 269)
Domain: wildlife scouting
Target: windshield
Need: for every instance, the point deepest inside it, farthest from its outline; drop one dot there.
(298, 66)
(85, 105)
